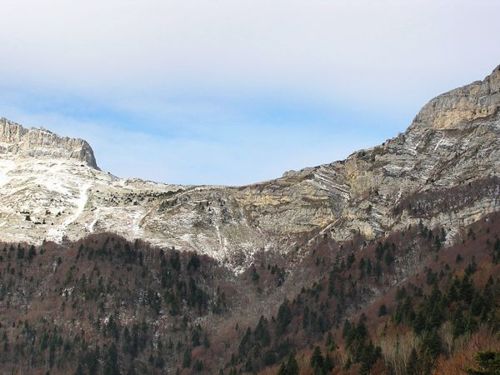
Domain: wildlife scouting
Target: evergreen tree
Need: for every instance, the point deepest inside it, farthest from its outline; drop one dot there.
(317, 361)
(328, 364)
(290, 367)
(283, 369)
(382, 310)
(31, 253)
(284, 317)
(198, 366)
(330, 343)
(261, 333)
(437, 243)
(111, 362)
(431, 344)
(186, 360)
(388, 258)
(458, 323)
(412, 365)
(488, 363)
(79, 370)
(20, 252)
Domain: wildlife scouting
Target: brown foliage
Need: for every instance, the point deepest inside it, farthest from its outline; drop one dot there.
(463, 356)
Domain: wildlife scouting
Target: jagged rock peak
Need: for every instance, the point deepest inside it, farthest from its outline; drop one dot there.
(37, 142)
(461, 106)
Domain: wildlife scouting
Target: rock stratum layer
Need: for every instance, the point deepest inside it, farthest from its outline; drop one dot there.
(15, 140)
(443, 170)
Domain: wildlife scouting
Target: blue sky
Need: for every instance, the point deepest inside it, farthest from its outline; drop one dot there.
(233, 91)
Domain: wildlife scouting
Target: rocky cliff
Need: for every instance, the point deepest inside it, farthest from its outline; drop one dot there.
(51, 189)
(19, 142)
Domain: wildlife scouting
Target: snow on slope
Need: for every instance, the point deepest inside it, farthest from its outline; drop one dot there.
(5, 167)
(79, 202)
(50, 188)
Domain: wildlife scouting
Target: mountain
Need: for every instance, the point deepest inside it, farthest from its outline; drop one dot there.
(323, 270)
(452, 143)
(18, 142)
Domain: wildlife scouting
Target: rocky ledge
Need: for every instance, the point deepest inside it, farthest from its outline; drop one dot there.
(41, 143)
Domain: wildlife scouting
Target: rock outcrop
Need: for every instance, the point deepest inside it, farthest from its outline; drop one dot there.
(40, 143)
(443, 170)
(459, 107)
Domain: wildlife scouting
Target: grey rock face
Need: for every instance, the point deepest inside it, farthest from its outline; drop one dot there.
(459, 107)
(41, 143)
(443, 170)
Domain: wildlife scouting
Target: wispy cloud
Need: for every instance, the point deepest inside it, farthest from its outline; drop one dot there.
(233, 150)
(235, 91)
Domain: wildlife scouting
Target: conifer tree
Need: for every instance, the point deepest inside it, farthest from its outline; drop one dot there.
(317, 361)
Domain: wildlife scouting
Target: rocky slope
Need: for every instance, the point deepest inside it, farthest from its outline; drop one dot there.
(420, 298)
(16, 140)
(51, 188)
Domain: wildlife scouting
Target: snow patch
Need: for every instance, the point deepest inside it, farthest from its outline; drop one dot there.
(3, 178)
(57, 234)
(5, 167)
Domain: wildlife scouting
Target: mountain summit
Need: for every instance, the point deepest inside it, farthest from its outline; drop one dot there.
(456, 108)
(40, 143)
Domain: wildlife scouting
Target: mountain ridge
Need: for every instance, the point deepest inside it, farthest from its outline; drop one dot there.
(384, 263)
(476, 100)
(452, 141)
(39, 143)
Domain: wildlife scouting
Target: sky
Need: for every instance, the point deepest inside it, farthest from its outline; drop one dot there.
(235, 91)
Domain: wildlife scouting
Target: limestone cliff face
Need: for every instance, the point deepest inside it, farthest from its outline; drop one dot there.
(41, 143)
(453, 142)
(443, 170)
(457, 108)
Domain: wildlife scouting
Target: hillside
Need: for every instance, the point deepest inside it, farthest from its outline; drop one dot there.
(383, 263)
(52, 190)
(104, 305)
